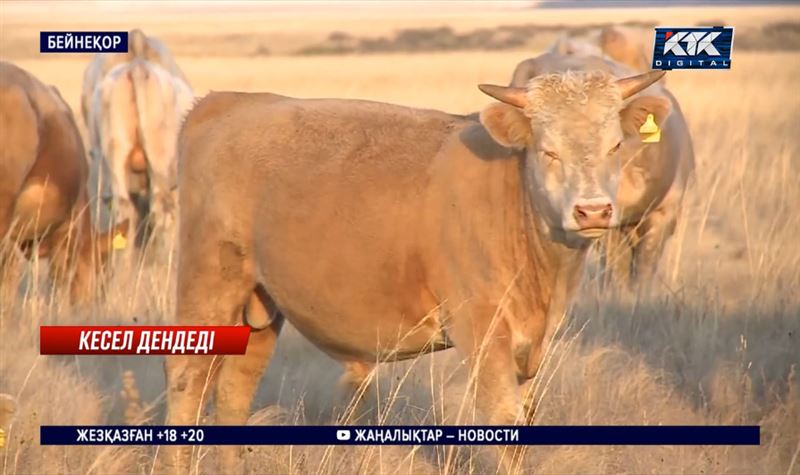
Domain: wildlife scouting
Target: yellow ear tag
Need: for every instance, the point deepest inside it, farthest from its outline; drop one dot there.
(650, 130)
(119, 242)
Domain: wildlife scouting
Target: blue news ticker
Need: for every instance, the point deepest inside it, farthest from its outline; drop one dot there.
(400, 435)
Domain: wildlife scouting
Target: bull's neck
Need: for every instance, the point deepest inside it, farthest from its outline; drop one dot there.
(557, 264)
(545, 248)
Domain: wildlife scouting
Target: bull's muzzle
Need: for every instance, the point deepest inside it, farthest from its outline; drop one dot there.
(593, 219)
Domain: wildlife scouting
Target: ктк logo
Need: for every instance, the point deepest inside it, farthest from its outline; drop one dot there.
(693, 48)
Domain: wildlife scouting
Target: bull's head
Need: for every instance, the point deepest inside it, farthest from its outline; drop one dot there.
(574, 128)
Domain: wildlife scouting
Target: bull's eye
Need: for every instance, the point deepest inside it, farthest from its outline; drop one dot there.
(551, 155)
(615, 149)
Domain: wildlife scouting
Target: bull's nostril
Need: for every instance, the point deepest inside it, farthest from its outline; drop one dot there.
(580, 215)
(593, 215)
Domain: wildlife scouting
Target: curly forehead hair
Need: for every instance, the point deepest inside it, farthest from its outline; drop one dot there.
(566, 90)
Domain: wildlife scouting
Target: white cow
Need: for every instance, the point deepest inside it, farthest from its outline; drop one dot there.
(133, 117)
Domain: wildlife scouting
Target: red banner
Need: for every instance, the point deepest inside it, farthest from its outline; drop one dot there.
(143, 340)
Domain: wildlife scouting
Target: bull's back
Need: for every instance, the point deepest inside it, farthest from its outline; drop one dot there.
(360, 140)
(681, 145)
(357, 161)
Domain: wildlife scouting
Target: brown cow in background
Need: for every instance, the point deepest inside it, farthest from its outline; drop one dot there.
(43, 198)
(627, 45)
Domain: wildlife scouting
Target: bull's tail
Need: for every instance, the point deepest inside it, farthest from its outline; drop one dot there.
(159, 111)
(138, 44)
(138, 75)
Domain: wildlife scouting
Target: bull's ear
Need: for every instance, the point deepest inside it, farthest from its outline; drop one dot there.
(114, 239)
(122, 228)
(507, 125)
(634, 115)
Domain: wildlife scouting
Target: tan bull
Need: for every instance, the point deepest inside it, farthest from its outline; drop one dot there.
(383, 232)
(627, 45)
(134, 114)
(43, 173)
(655, 176)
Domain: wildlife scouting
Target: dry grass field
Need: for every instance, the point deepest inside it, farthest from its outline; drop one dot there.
(717, 342)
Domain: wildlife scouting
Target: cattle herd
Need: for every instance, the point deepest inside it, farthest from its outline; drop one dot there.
(380, 232)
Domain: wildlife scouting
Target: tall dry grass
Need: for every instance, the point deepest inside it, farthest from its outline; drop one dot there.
(717, 342)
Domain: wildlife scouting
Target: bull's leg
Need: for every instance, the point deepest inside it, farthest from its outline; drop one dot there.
(58, 245)
(656, 229)
(215, 281)
(355, 374)
(63, 246)
(144, 227)
(353, 385)
(486, 341)
(189, 379)
(239, 376)
(86, 283)
(161, 213)
(528, 388)
(9, 263)
(6, 212)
